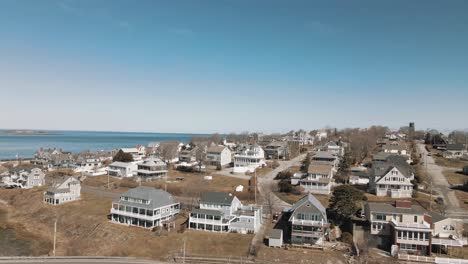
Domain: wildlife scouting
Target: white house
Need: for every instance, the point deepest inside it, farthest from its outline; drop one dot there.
(152, 169)
(335, 148)
(136, 153)
(66, 191)
(145, 207)
(122, 169)
(25, 178)
(223, 212)
(392, 178)
(249, 159)
(218, 156)
(454, 151)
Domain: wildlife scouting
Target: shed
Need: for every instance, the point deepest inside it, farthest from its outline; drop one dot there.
(275, 239)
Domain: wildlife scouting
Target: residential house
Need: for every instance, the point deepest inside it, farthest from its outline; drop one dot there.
(396, 147)
(318, 179)
(188, 153)
(136, 153)
(223, 212)
(53, 158)
(145, 207)
(408, 228)
(87, 165)
(25, 177)
(392, 178)
(326, 157)
(359, 176)
(151, 169)
(218, 156)
(65, 191)
(276, 150)
(454, 151)
(403, 226)
(336, 148)
(275, 238)
(249, 159)
(308, 221)
(122, 169)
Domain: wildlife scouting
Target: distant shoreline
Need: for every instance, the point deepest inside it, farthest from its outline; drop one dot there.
(29, 132)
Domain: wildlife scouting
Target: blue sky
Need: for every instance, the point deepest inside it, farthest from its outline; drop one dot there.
(232, 65)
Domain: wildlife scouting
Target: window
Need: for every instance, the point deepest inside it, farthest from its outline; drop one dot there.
(415, 218)
(408, 247)
(449, 227)
(380, 217)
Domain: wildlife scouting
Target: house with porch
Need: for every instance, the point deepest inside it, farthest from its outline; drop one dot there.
(401, 227)
(249, 159)
(24, 177)
(224, 212)
(187, 153)
(218, 156)
(318, 179)
(392, 178)
(326, 157)
(276, 150)
(308, 221)
(67, 190)
(151, 169)
(145, 207)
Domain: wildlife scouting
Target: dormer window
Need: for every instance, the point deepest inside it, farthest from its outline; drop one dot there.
(394, 172)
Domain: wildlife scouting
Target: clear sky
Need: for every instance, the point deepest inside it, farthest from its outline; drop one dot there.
(232, 65)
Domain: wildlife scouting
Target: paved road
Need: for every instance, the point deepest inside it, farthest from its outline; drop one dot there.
(441, 185)
(73, 260)
(265, 183)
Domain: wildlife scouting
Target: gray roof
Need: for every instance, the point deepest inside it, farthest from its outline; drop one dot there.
(276, 233)
(455, 147)
(207, 212)
(436, 217)
(158, 198)
(381, 155)
(381, 168)
(220, 198)
(324, 155)
(216, 149)
(309, 198)
(120, 164)
(389, 208)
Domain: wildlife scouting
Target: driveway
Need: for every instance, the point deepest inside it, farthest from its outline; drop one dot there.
(441, 185)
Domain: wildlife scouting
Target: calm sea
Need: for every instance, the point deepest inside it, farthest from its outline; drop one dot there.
(25, 146)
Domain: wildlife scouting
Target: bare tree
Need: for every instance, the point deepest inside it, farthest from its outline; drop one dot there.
(168, 150)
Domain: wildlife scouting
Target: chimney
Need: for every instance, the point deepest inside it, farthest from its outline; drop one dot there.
(403, 204)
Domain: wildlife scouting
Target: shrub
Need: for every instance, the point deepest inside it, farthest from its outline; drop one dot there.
(285, 186)
(284, 175)
(185, 169)
(347, 237)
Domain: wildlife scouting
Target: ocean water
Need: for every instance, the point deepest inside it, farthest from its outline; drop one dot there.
(25, 145)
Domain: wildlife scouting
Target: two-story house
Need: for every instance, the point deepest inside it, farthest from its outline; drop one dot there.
(218, 156)
(223, 212)
(396, 147)
(65, 191)
(145, 207)
(325, 157)
(404, 227)
(248, 159)
(318, 179)
(308, 221)
(122, 169)
(392, 178)
(152, 169)
(187, 153)
(276, 150)
(335, 147)
(25, 177)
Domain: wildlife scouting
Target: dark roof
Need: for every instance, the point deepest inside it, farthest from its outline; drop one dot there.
(381, 156)
(389, 208)
(276, 233)
(381, 168)
(207, 212)
(157, 197)
(455, 147)
(220, 198)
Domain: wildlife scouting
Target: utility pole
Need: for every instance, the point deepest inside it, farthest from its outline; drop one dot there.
(430, 202)
(55, 235)
(108, 181)
(184, 250)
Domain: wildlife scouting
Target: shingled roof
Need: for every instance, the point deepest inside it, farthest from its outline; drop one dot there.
(219, 198)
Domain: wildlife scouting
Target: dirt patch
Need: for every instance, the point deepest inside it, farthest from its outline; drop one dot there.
(449, 163)
(455, 177)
